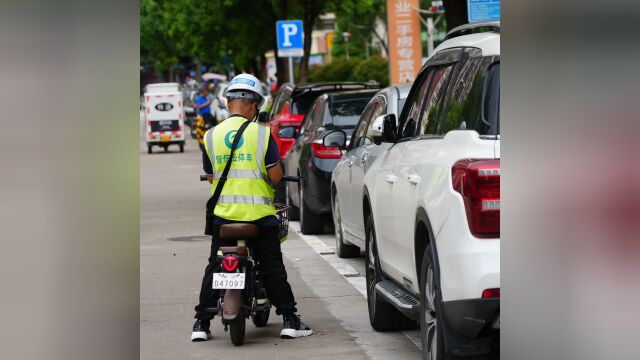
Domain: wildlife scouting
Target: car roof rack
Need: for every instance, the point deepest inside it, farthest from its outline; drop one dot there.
(472, 28)
(345, 85)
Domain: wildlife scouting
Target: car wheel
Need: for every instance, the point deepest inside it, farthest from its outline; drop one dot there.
(181, 148)
(342, 250)
(294, 213)
(310, 223)
(430, 325)
(382, 315)
(149, 149)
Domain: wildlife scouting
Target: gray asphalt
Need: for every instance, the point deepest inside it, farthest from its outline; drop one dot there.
(173, 254)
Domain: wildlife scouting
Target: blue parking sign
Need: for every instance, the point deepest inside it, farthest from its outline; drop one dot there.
(289, 34)
(483, 10)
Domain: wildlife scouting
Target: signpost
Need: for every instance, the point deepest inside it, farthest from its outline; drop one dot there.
(483, 10)
(290, 41)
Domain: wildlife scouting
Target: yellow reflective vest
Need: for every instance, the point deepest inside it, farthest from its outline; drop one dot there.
(247, 194)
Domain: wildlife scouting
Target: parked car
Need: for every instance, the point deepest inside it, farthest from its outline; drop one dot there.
(346, 181)
(290, 105)
(293, 101)
(314, 162)
(431, 203)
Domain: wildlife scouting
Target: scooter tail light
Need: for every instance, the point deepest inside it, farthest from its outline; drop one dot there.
(230, 263)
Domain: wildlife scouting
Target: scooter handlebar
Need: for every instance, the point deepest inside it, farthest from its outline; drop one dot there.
(284, 178)
(291, 178)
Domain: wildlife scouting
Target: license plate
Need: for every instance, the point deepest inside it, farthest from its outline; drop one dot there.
(228, 280)
(165, 138)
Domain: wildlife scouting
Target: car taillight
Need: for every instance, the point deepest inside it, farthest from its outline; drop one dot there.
(180, 127)
(478, 181)
(326, 152)
(491, 293)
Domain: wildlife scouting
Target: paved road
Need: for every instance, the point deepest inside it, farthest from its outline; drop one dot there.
(173, 255)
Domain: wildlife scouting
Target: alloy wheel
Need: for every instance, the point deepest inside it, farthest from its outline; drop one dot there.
(372, 273)
(431, 322)
(337, 222)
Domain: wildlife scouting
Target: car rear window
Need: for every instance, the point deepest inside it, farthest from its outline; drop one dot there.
(491, 105)
(346, 112)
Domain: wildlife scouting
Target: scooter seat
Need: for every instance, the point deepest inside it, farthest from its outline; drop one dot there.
(239, 231)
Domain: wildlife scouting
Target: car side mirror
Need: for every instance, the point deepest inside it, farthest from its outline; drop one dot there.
(389, 128)
(287, 132)
(263, 117)
(336, 138)
(375, 131)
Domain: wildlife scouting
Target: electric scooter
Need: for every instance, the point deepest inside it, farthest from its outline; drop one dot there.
(239, 278)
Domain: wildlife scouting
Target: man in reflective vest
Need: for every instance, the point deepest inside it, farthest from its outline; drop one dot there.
(247, 196)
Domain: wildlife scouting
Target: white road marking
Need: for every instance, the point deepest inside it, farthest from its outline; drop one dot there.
(348, 272)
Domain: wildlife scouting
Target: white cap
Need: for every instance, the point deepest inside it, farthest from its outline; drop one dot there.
(246, 82)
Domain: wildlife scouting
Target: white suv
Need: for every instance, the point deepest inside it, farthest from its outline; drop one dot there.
(431, 203)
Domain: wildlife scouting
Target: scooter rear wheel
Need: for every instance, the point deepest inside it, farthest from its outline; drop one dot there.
(237, 330)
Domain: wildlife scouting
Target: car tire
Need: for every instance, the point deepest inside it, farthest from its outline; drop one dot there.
(382, 315)
(431, 333)
(342, 250)
(310, 223)
(149, 149)
(181, 148)
(294, 212)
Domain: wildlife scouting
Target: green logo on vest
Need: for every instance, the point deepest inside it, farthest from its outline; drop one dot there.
(228, 139)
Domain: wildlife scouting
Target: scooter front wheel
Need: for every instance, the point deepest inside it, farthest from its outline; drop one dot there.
(237, 330)
(261, 318)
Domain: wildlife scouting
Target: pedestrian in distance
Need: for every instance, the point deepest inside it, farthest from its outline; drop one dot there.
(205, 119)
(246, 198)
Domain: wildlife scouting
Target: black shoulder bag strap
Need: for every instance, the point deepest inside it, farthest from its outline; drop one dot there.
(213, 201)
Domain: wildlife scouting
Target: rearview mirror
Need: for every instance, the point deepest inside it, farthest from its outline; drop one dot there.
(263, 117)
(336, 138)
(287, 132)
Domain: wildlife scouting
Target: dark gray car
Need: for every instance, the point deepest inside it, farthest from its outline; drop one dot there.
(313, 161)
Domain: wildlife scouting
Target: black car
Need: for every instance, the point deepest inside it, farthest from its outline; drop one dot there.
(314, 162)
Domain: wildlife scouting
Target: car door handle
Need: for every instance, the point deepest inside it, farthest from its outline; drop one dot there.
(350, 162)
(414, 179)
(364, 158)
(391, 179)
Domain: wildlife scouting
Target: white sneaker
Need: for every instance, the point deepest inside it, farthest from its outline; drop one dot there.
(294, 328)
(201, 331)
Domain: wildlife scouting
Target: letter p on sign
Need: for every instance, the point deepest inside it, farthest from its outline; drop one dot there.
(289, 31)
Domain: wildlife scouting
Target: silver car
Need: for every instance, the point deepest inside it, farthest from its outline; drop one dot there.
(346, 180)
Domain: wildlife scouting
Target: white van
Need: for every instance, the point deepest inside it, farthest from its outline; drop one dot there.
(164, 116)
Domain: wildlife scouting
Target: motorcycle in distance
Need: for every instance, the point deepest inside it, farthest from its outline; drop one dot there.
(238, 276)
